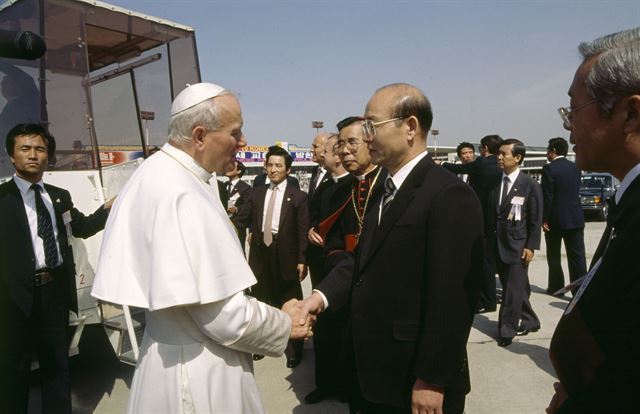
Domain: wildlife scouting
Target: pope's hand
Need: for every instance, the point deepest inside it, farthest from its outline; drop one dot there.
(298, 331)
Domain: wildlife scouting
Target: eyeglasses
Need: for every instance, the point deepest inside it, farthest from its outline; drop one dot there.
(351, 144)
(565, 113)
(369, 127)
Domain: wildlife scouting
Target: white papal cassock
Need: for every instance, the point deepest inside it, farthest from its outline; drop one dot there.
(169, 247)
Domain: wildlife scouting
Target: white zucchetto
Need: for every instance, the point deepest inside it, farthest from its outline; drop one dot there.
(194, 94)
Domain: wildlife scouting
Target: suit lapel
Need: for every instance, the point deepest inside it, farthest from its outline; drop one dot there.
(18, 207)
(286, 201)
(517, 189)
(58, 208)
(261, 193)
(402, 199)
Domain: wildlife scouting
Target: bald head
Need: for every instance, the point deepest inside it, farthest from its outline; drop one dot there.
(405, 101)
(317, 148)
(397, 120)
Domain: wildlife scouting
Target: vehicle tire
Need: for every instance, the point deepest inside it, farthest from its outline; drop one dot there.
(602, 214)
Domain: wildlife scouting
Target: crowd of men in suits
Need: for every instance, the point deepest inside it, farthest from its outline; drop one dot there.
(402, 252)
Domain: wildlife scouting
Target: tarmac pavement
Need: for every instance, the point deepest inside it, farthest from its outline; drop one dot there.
(515, 379)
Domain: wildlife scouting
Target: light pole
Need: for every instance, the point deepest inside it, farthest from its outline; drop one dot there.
(435, 133)
(317, 125)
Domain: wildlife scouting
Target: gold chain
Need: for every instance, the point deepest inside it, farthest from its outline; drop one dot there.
(359, 217)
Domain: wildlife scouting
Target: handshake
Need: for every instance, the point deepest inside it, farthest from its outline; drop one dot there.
(303, 315)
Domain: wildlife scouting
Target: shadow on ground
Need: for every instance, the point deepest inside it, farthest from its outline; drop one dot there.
(522, 345)
(93, 373)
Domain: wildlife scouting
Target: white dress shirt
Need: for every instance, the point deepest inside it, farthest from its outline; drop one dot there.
(29, 199)
(512, 179)
(275, 220)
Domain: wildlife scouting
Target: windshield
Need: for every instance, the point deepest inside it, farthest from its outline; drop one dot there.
(595, 181)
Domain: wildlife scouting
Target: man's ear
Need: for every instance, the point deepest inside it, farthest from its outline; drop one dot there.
(197, 135)
(413, 125)
(632, 114)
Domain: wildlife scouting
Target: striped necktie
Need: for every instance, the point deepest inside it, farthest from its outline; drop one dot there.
(389, 193)
(45, 230)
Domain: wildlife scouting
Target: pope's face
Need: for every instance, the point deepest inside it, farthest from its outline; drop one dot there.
(219, 149)
(30, 157)
(276, 169)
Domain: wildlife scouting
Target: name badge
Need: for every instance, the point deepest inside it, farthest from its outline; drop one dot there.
(66, 217)
(517, 201)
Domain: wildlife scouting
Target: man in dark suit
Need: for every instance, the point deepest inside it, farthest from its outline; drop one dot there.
(278, 219)
(337, 203)
(37, 286)
(466, 155)
(563, 218)
(484, 175)
(320, 181)
(238, 195)
(513, 235)
(261, 179)
(594, 349)
(411, 308)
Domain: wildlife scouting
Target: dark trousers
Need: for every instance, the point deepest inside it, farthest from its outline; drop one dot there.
(275, 291)
(45, 332)
(329, 335)
(574, 246)
(487, 291)
(516, 313)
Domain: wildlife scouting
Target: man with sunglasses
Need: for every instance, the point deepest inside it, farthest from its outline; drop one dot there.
(411, 286)
(594, 349)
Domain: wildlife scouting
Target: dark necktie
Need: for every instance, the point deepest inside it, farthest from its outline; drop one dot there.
(45, 230)
(389, 193)
(505, 190)
(229, 187)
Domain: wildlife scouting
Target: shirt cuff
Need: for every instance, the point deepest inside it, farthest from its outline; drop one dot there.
(325, 302)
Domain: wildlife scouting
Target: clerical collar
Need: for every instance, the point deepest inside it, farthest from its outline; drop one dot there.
(400, 175)
(24, 185)
(626, 182)
(189, 163)
(336, 179)
(368, 173)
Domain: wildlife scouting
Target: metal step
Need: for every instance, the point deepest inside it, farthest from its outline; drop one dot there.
(128, 358)
(119, 324)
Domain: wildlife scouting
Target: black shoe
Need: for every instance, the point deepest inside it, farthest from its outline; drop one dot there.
(257, 357)
(316, 396)
(292, 362)
(486, 310)
(526, 332)
(502, 342)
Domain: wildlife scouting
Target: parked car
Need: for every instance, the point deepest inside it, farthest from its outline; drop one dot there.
(596, 190)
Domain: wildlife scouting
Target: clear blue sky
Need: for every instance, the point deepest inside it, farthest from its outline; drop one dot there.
(487, 67)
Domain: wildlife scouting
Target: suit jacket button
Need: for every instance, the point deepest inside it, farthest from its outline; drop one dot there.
(359, 282)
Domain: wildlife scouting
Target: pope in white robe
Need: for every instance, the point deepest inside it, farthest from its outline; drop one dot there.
(169, 247)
